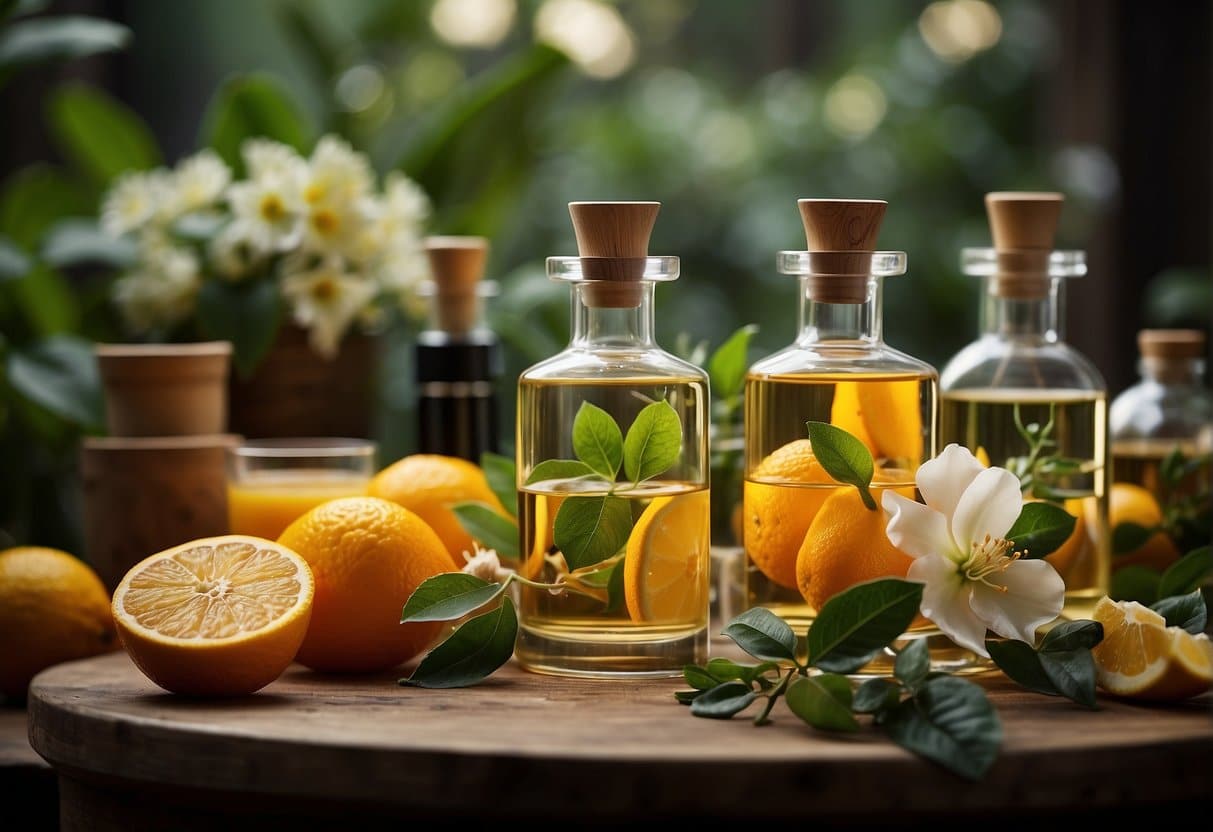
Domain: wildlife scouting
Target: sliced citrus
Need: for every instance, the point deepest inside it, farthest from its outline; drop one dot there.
(892, 414)
(845, 413)
(665, 574)
(1140, 657)
(217, 616)
(543, 519)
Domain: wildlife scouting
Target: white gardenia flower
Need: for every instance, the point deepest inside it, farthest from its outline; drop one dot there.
(973, 579)
(233, 254)
(267, 158)
(405, 205)
(268, 210)
(337, 174)
(162, 292)
(134, 201)
(326, 299)
(486, 565)
(198, 181)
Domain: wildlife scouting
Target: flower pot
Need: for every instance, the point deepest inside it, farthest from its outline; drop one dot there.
(295, 392)
(165, 389)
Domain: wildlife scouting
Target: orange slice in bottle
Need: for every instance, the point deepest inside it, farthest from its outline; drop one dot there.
(665, 569)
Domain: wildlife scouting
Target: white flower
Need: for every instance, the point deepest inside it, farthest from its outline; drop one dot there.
(326, 299)
(233, 254)
(337, 227)
(161, 292)
(486, 565)
(973, 579)
(337, 173)
(135, 200)
(198, 181)
(268, 210)
(405, 205)
(266, 158)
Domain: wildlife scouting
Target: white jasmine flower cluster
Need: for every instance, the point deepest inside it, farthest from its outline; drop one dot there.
(339, 249)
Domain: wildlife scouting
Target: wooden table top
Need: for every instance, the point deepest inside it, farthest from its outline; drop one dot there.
(521, 743)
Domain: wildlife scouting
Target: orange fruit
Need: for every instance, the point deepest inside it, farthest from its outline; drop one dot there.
(1142, 658)
(777, 516)
(884, 415)
(543, 518)
(845, 545)
(428, 485)
(217, 616)
(665, 570)
(845, 413)
(1065, 556)
(368, 556)
(1129, 503)
(53, 609)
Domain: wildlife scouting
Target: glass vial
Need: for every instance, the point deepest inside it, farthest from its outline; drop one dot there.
(458, 358)
(838, 370)
(631, 547)
(1020, 397)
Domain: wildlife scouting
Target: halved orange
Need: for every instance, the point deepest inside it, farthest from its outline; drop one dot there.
(665, 573)
(216, 616)
(1140, 657)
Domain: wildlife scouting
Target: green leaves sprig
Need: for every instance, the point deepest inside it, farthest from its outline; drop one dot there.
(1061, 666)
(945, 719)
(1148, 586)
(1186, 503)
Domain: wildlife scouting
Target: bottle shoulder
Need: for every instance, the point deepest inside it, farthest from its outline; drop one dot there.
(804, 359)
(576, 364)
(1150, 410)
(992, 362)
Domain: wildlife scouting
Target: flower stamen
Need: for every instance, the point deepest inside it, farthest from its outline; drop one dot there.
(990, 556)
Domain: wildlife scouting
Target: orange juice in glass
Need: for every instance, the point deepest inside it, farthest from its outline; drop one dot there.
(271, 482)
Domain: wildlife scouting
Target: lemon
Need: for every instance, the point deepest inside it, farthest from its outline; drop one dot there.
(216, 616)
(1140, 657)
(665, 568)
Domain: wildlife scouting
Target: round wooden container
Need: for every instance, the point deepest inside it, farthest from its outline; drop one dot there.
(165, 389)
(145, 494)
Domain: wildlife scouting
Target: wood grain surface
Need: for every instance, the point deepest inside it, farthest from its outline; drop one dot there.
(527, 745)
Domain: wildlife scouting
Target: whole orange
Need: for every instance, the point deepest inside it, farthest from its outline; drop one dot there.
(1129, 503)
(367, 557)
(428, 485)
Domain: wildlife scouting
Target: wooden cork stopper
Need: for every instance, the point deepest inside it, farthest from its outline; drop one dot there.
(841, 236)
(613, 242)
(457, 265)
(1023, 225)
(1171, 344)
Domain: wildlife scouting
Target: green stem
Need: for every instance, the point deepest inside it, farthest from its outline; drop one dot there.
(772, 697)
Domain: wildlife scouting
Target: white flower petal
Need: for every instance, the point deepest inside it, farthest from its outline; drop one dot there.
(988, 506)
(943, 479)
(916, 529)
(1034, 597)
(945, 600)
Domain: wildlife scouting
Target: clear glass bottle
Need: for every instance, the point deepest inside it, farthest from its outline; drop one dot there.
(1169, 409)
(1020, 397)
(457, 358)
(638, 602)
(838, 370)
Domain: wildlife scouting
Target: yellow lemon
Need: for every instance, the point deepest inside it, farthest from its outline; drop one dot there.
(1142, 658)
(665, 575)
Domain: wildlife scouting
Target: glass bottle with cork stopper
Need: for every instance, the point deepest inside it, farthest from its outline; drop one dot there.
(458, 358)
(838, 370)
(612, 449)
(1020, 397)
(1162, 427)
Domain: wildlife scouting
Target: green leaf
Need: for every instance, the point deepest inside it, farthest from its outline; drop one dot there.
(58, 38)
(913, 663)
(480, 646)
(723, 701)
(311, 39)
(823, 702)
(726, 670)
(252, 106)
(1021, 663)
(876, 695)
(588, 530)
(448, 596)
(763, 635)
(1129, 536)
(559, 469)
(58, 373)
(1072, 635)
(728, 364)
(1187, 611)
(1188, 573)
(247, 314)
(1134, 583)
(615, 589)
(686, 697)
(597, 440)
(1171, 469)
(951, 722)
(75, 242)
(488, 527)
(1041, 528)
(100, 134)
(700, 678)
(35, 198)
(17, 8)
(1072, 672)
(653, 443)
(502, 477)
(14, 263)
(844, 458)
(855, 625)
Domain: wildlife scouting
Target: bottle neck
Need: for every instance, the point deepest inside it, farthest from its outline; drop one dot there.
(1033, 319)
(1173, 372)
(855, 322)
(611, 327)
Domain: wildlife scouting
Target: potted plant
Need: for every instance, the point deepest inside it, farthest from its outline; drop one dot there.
(292, 259)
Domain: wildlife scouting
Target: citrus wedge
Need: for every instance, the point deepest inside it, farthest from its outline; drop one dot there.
(665, 574)
(1140, 657)
(217, 616)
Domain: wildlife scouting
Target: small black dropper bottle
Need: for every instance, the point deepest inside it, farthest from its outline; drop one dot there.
(458, 356)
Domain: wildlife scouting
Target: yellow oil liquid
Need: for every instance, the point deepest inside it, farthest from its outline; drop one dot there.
(893, 414)
(1138, 461)
(649, 617)
(985, 420)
